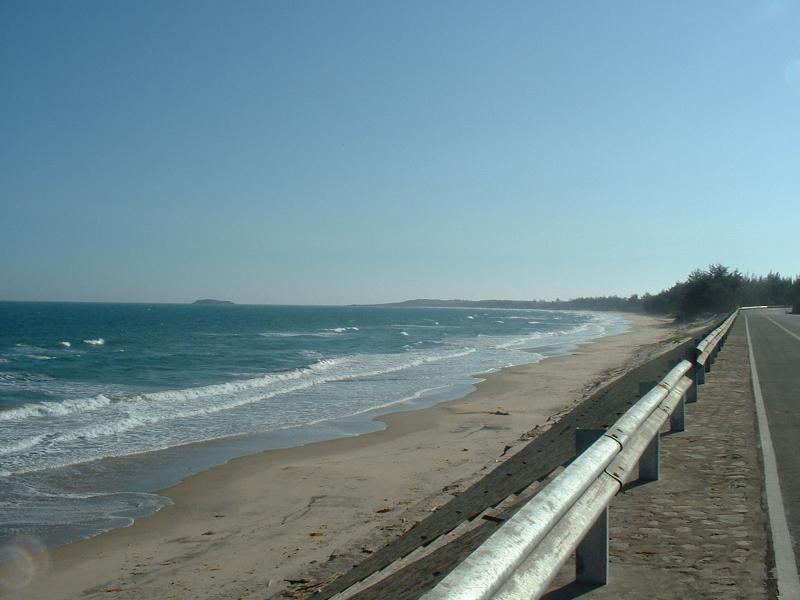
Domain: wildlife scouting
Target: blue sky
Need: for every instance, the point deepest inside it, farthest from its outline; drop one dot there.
(337, 152)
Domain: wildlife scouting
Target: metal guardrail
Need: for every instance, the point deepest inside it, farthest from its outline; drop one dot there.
(571, 513)
(708, 348)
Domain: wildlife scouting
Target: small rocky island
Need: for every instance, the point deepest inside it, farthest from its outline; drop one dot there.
(211, 301)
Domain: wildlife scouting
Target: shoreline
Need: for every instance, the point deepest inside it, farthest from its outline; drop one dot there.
(241, 528)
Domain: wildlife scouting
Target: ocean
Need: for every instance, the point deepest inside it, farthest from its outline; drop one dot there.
(102, 404)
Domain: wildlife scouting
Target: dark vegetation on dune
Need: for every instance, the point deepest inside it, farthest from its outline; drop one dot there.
(720, 289)
(717, 289)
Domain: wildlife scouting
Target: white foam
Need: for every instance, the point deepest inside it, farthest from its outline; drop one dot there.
(40, 357)
(96, 342)
(290, 334)
(44, 409)
(515, 343)
(87, 428)
(21, 376)
(219, 334)
(65, 344)
(20, 445)
(415, 396)
(342, 329)
(280, 334)
(141, 413)
(470, 317)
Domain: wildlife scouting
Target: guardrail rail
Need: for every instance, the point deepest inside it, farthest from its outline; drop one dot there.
(524, 555)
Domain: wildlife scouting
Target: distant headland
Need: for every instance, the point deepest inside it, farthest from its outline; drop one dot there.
(211, 301)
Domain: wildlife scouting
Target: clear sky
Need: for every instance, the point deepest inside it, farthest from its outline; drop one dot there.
(337, 152)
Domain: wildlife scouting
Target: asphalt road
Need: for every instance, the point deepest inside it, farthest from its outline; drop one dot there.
(775, 339)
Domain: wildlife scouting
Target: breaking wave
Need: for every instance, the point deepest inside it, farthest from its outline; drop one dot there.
(88, 419)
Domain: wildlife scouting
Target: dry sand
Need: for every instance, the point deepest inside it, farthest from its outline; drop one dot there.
(242, 529)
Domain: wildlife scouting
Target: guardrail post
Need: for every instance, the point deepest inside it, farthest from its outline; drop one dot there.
(650, 461)
(699, 370)
(691, 393)
(677, 420)
(591, 555)
(690, 355)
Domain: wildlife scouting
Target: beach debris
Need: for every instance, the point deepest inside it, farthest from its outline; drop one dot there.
(366, 551)
(505, 450)
(303, 585)
(465, 449)
(530, 434)
(501, 413)
(113, 590)
(218, 516)
(452, 488)
(384, 510)
(209, 532)
(492, 518)
(316, 533)
(171, 561)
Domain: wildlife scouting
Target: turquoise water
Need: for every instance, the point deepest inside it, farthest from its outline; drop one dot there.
(102, 403)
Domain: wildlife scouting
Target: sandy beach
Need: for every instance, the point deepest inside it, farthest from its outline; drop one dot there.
(241, 530)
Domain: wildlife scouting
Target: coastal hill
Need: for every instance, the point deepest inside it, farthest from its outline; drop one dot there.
(598, 303)
(211, 301)
(715, 290)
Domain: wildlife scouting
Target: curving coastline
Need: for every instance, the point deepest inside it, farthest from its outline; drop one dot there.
(241, 529)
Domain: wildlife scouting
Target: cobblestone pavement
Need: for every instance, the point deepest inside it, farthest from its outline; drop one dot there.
(700, 531)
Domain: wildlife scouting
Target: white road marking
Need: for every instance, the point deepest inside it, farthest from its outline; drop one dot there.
(794, 335)
(785, 565)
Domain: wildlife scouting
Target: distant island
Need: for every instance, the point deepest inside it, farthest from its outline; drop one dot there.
(211, 301)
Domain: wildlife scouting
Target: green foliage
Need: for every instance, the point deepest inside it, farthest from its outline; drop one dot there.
(795, 295)
(718, 289)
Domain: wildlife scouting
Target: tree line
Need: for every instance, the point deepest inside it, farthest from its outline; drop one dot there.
(717, 289)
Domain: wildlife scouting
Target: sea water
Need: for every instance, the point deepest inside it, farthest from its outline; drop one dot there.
(101, 404)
